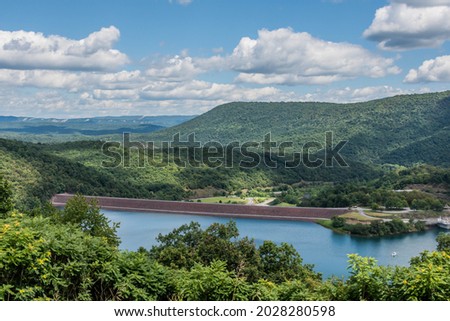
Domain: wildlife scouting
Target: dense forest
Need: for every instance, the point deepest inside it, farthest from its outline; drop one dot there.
(38, 171)
(399, 130)
(72, 254)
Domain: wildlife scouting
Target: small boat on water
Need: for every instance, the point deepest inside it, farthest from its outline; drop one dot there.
(443, 223)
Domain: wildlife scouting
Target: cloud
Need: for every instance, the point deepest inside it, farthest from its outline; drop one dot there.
(54, 103)
(197, 89)
(32, 50)
(411, 24)
(159, 99)
(71, 81)
(286, 57)
(135, 90)
(433, 70)
(353, 95)
(281, 57)
(175, 68)
(423, 3)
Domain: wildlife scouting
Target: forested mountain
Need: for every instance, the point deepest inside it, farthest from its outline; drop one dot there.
(403, 129)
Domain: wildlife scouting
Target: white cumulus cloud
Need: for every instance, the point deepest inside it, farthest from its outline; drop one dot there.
(33, 50)
(71, 81)
(283, 56)
(433, 70)
(175, 68)
(423, 3)
(203, 90)
(411, 24)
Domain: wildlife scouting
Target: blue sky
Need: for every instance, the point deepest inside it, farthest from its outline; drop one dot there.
(159, 57)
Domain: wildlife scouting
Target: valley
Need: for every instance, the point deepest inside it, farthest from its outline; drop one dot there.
(394, 180)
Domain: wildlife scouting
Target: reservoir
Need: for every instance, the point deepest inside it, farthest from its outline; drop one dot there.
(317, 245)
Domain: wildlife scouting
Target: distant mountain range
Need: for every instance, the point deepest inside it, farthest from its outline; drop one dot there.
(162, 121)
(57, 130)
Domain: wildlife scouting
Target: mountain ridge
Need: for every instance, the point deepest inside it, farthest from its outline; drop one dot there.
(375, 130)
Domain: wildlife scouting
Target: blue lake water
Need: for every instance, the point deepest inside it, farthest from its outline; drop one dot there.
(317, 245)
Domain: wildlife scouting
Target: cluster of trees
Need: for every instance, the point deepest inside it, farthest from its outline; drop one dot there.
(378, 227)
(376, 193)
(359, 194)
(73, 255)
(190, 244)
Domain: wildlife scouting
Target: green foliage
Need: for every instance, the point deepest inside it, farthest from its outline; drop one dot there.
(443, 240)
(45, 170)
(395, 203)
(427, 279)
(380, 192)
(140, 279)
(189, 245)
(337, 222)
(368, 281)
(211, 283)
(398, 130)
(6, 198)
(380, 228)
(45, 261)
(86, 215)
(282, 262)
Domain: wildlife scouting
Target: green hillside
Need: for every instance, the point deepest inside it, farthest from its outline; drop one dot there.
(38, 171)
(403, 129)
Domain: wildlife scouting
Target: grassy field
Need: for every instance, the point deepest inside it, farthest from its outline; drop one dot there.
(358, 217)
(222, 199)
(329, 225)
(380, 215)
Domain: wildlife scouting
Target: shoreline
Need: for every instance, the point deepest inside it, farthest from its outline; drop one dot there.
(324, 224)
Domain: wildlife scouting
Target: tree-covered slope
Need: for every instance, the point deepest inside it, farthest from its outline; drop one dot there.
(38, 171)
(402, 129)
(399, 130)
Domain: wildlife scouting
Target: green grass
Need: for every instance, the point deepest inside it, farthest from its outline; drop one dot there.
(284, 204)
(223, 200)
(329, 225)
(358, 217)
(379, 215)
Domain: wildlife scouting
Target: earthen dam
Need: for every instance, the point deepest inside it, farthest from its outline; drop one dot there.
(206, 209)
